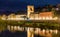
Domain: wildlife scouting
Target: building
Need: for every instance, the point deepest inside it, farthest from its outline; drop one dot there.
(30, 9)
(40, 15)
(11, 17)
(34, 16)
(20, 17)
(31, 15)
(3, 17)
(16, 17)
(46, 16)
(43, 16)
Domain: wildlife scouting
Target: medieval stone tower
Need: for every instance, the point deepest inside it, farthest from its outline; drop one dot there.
(30, 9)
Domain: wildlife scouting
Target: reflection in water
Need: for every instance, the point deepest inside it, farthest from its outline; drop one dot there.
(17, 31)
(8, 33)
(37, 31)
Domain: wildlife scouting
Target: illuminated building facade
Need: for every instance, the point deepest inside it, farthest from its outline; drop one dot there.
(30, 9)
(31, 15)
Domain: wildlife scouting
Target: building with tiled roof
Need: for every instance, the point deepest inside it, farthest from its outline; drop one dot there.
(31, 15)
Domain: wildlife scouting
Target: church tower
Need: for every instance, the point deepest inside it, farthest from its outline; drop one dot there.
(30, 9)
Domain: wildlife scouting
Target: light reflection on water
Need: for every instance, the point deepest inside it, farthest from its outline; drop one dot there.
(37, 30)
(23, 33)
(8, 33)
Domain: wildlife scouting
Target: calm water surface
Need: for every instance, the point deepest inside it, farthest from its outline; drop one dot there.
(8, 33)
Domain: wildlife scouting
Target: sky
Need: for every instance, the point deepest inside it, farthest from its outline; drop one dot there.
(15, 5)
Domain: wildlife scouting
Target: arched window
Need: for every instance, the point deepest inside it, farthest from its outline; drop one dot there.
(31, 9)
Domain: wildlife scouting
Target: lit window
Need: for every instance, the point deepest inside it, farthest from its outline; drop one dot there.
(36, 18)
(40, 18)
(50, 18)
(47, 18)
(43, 18)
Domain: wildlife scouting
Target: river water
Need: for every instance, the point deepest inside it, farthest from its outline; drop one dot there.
(22, 32)
(8, 33)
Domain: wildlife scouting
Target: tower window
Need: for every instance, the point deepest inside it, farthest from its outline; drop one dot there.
(31, 9)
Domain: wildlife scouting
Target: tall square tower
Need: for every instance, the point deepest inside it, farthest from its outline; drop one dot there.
(30, 9)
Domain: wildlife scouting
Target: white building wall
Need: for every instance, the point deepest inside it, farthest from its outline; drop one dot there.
(15, 19)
